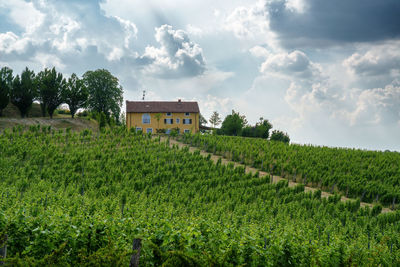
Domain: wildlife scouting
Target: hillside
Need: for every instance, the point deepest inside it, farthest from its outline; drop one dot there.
(81, 199)
(57, 123)
(11, 111)
(371, 176)
(11, 118)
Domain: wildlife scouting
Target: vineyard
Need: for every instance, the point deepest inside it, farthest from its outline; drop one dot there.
(69, 198)
(371, 176)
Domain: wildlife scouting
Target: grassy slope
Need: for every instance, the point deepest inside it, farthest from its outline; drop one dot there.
(11, 117)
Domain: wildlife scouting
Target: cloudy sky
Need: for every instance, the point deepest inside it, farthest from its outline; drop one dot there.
(327, 72)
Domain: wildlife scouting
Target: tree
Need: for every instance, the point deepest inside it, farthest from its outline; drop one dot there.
(23, 91)
(105, 93)
(51, 86)
(262, 128)
(233, 124)
(202, 120)
(158, 118)
(215, 119)
(6, 79)
(279, 136)
(75, 94)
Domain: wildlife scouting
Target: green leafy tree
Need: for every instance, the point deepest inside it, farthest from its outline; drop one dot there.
(215, 119)
(262, 128)
(6, 79)
(233, 124)
(202, 120)
(105, 93)
(101, 118)
(75, 94)
(279, 136)
(158, 118)
(23, 91)
(50, 88)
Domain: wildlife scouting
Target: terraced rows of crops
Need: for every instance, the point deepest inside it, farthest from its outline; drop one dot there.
(368, 175)
(81, 198)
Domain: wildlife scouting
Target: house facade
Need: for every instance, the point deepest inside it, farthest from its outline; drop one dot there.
(148, 116)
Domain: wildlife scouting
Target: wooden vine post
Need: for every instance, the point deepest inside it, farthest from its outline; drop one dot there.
(3, 248)
(137, 245)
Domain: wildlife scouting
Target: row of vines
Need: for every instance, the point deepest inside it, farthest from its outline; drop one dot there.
(372, 176)
(81, 198)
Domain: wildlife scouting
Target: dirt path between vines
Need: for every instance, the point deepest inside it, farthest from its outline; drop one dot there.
(248, 169)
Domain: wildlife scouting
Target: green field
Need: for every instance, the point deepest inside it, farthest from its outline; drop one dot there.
(69, 198)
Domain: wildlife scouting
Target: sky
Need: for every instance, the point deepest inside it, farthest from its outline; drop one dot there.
(325, 72)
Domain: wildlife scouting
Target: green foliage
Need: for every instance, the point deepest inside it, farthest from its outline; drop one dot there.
(61, 197)
(75, 94)
(50, 87)
(161, 131)
(202, 120)
(105, 93)
(102, 119)
(261, 129)
(6, 79)
(174, 132)
(280, 136)
(215, 119)
(233, 124)
(23, 91)
(370, 175)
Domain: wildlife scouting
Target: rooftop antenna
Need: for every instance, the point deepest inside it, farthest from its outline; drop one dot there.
(144, 94)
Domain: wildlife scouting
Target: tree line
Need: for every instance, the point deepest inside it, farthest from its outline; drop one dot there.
(237, 125)
(98, 91)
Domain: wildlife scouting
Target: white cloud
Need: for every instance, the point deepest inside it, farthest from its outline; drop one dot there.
(24, 14)
(259, 51)
(177, 56)
(214, 103)
(10, 42)
(377, 106)
(292, 64)
(194, 30)
(246, 22)
(382, 59)
(48, 61)
(130, 31)
(61, 30)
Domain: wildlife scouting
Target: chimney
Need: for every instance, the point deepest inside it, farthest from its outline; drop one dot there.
(179, 101)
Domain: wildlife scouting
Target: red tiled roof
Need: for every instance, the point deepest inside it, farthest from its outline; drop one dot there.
(161, 106)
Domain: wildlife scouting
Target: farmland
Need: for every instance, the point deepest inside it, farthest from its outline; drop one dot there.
(69, 198)
(371, 176)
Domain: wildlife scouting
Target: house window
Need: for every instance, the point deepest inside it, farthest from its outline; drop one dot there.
(187, 121)
(138, 129)
(168, 121)
(146, 118)
(177, 120)
(186, 131)
(168, 131)
(169, 114)
(187, 113)
(149, 130)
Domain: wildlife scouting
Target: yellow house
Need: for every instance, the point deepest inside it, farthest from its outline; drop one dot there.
(148, 116)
